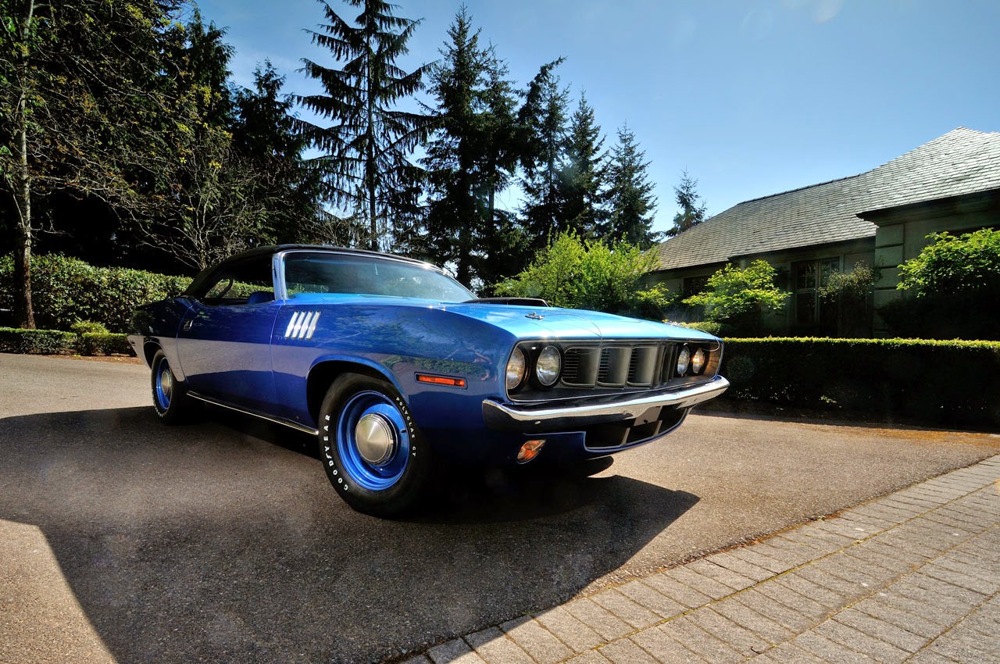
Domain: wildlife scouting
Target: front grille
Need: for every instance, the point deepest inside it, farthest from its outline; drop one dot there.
(610, 366)
(620, 365)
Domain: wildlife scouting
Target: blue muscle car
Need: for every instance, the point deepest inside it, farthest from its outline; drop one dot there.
(391, 363)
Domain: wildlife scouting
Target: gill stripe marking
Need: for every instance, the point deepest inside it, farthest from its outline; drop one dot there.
(302, 325)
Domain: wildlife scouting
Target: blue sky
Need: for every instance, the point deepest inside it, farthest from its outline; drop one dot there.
(751, 97)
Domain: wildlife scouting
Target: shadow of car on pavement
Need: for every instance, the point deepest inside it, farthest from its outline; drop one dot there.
(223, 540)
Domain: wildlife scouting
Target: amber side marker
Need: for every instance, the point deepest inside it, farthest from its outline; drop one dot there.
(441, 380)
(530, 450)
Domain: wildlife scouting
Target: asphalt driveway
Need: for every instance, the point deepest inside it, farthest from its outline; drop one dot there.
(122, 539)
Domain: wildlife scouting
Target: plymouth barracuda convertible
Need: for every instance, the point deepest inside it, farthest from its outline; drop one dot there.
(392, 364)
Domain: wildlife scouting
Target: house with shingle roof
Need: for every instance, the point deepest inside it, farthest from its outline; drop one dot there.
(880, 218)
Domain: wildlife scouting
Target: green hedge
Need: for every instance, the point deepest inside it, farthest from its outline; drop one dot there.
(945, 383)
(67, 290)
(55, 342)
(37, 342)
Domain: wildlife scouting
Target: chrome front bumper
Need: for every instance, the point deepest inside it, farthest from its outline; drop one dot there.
(535, 419)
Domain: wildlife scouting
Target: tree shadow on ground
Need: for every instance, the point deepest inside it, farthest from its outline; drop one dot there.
(223, 541)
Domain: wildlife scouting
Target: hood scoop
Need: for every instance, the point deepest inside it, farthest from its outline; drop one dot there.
(517, 301)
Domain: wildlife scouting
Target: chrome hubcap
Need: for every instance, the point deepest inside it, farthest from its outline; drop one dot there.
(167, 383)
(376, 439)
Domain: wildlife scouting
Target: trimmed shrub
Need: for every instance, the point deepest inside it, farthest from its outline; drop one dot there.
(944, 383)
(95, 343)
(87, 327)
(67, 290)
(57, 342)
(37, 342)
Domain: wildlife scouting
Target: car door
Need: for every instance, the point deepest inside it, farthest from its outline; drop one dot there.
(224, 341)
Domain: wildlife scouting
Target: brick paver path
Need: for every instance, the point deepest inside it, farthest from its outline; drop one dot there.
(913, 577)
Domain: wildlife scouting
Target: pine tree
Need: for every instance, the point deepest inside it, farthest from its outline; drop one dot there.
(265, 134)
(470, 155)
(583, 173)
(691, 214)
(542, 119)
(631, 203)
(366, 148)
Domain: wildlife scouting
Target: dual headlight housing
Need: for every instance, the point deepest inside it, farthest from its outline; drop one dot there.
(543, 366)
(691, 362)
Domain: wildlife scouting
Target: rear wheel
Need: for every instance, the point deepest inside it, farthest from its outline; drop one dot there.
(372, 451)
(170, 399)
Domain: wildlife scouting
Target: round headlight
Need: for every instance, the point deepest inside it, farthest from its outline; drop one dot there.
(698, 361)
(515, 369)
(683, 360)
(548, 366)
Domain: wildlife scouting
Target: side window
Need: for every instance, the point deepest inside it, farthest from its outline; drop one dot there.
(246, 282)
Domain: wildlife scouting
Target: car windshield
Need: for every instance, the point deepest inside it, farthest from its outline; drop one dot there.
(317, 272)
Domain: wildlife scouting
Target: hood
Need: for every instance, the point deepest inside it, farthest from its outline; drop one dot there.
(556, 323)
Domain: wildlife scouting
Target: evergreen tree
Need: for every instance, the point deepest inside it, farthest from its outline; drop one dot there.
(265, 133)
(366, 148)
(583, 173)
(542, 120)
(691, 213)
(630, 194)
(470, 155)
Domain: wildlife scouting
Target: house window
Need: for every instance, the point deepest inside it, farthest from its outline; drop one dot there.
(694, 285)
(809, 277)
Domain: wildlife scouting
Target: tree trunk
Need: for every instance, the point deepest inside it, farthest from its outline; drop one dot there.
(24, 315)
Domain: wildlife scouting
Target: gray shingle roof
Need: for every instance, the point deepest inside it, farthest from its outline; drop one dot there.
(960, 162)
(963, 161)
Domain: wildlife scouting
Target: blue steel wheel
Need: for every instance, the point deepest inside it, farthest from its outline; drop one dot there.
(169, 394)
(372, 452)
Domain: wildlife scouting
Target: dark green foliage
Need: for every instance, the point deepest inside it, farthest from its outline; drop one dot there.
(37, 342)
(288, 190)
(104, 344)
(850, 293)
(630, 199)
(88, 327)
(68, 291)
(945, 383)
(691, 213)
(953, 289)
(57, 342)
(81, 107)
(583, 173)
(365, 148)
(470, 157)
(542, 122)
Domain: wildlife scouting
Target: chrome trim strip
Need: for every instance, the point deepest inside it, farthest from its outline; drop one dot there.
(587, 412)
(274, 420)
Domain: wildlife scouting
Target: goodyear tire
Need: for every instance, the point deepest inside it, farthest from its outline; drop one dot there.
(372, 452)
(170, 399)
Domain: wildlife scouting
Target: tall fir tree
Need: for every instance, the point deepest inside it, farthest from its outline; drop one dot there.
(630, 199)
(691, 213)
(583, 172)
(542, 120)
(367, 145)
(470, 155)
(265, 133)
